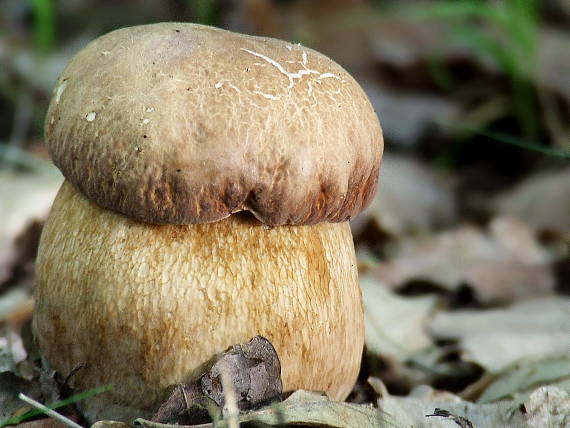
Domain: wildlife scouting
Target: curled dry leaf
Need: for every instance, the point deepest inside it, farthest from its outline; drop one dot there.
(301, 408)
(254, 371)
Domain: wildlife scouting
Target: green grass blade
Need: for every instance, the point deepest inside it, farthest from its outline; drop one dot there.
(44, 28)
(205, 11)
(461, 9)
(521, 27)
(509, 139)
(488, 45)
(70, 400)
(516, 19)
(523, 98)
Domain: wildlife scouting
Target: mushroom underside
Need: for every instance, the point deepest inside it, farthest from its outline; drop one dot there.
(143, 307)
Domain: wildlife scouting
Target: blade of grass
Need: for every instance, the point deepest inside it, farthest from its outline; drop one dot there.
(524, 22)
(456, 9)
(516, 19)
(523, 98)
(44, 28)
(509, 139)
(14, 420)
(512, 45)
(488, 45)
(48, 411)
(205, 11)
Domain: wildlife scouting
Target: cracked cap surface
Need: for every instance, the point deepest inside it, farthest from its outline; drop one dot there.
(182, 123)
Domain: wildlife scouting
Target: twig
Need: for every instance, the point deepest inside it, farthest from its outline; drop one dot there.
(459, 420)
(49, 411)
(230, 400)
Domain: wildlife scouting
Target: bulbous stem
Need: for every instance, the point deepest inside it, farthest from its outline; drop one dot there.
(144, 306)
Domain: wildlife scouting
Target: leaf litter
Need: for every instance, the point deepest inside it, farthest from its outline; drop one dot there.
(497, 338)
(506, 358)
(254, 373)
(505, 264)
(521, 348)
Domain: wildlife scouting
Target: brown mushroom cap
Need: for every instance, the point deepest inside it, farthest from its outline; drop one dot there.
(181, 123)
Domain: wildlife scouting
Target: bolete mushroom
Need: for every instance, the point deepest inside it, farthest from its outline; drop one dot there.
(209, 179)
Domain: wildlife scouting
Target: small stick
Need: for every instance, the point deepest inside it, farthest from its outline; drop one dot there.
(49, 411)
(230, 400)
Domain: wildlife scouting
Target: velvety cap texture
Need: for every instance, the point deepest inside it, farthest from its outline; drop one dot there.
(181, 123)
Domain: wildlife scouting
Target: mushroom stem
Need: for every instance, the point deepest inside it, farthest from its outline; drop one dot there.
(144, 306)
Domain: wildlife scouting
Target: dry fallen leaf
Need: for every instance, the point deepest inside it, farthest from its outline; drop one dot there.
(411, 198)
(543, 201)
(545, 407)
(111, 424)
(301, 408)
(497, 338)
(522, 377)
(11, 351)
(24, 198)
(395, 326)
(407, 117)
(15, 306)
(548, 406)
(552, 64)
(43, 423)
(504, 265)
(253, 370)
(459, 420)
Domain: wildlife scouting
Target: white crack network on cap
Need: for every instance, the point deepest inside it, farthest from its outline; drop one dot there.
(296, 75)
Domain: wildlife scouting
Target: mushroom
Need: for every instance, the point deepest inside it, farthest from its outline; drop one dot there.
(209, 179)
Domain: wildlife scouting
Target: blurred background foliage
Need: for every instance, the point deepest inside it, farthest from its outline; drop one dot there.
(450, 79)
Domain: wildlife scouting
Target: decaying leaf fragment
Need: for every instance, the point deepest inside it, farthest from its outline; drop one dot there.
(110, 424)
(459, 420)
(505, 264)
(496, 338)
(254, 371)
(523, 377)
(544, 407)
(24, 202)
(395, 326)
(412, 198)
(542, 201)
(302, 408)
